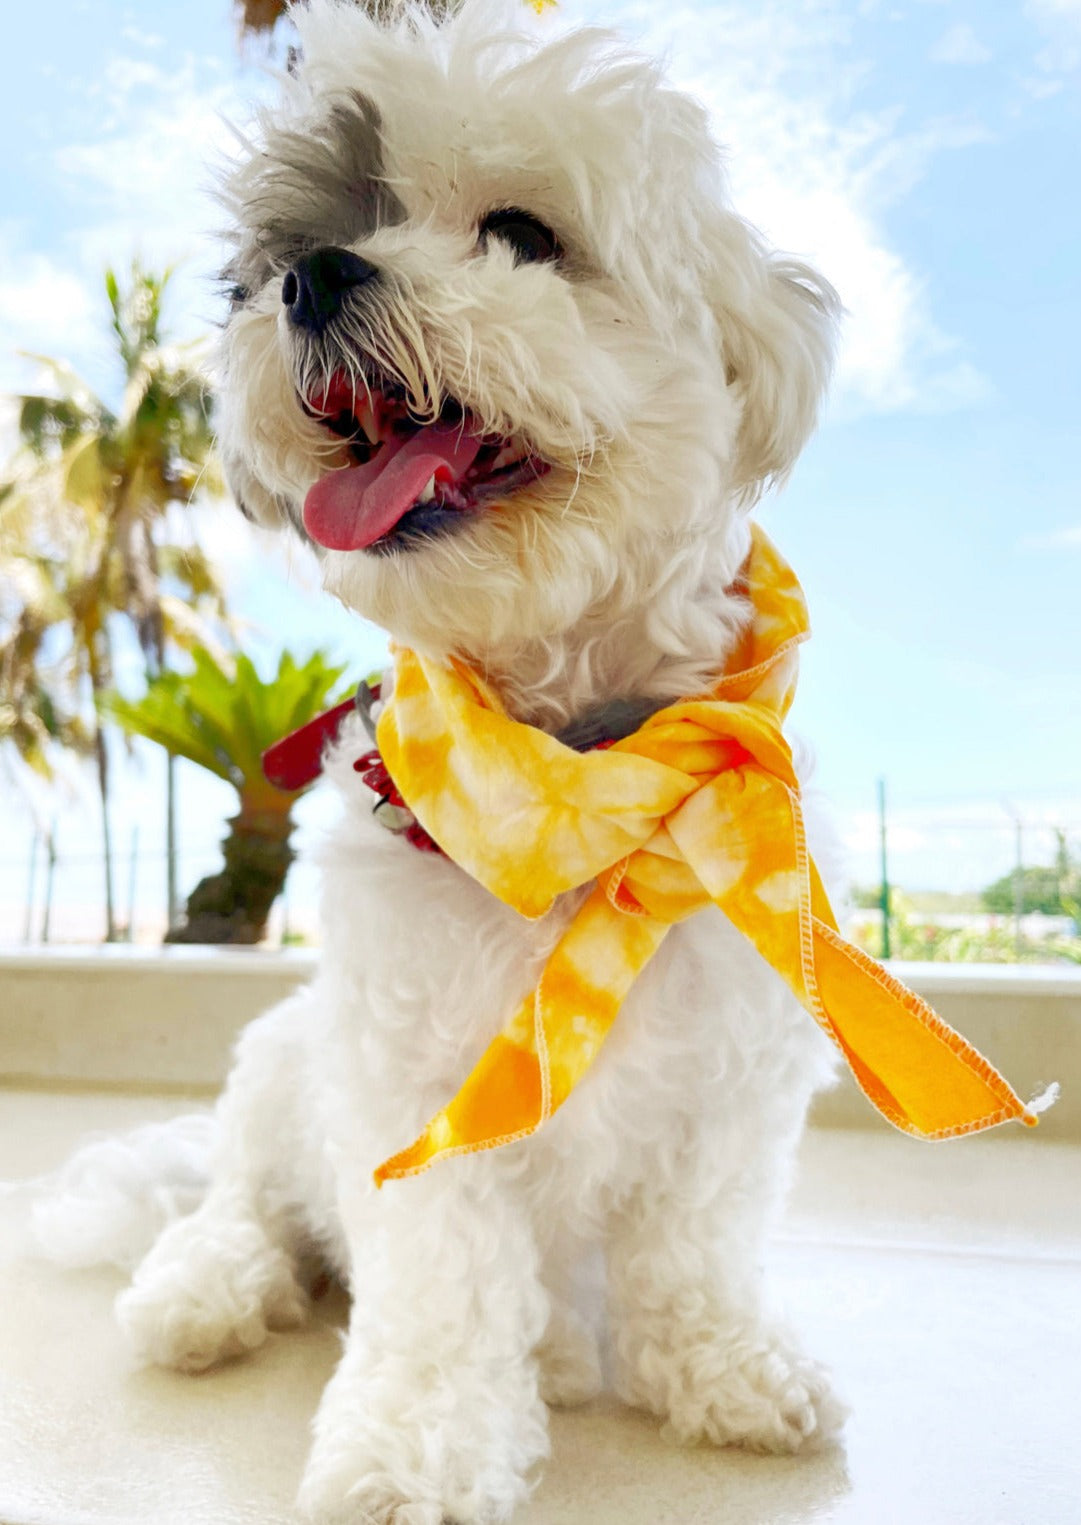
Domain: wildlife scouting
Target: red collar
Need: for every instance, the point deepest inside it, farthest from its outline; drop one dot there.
(297, 761)
(390, 810)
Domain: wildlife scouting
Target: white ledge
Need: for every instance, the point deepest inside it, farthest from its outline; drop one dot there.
(165, 1020)
(293, 964)
(179, 958)
(926, 977)
(989, 979)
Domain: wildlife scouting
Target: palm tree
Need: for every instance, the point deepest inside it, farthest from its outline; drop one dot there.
(223, 716)
(85, 525)
(32, 718)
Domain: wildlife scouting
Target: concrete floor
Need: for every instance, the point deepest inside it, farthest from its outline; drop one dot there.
(941, 1283)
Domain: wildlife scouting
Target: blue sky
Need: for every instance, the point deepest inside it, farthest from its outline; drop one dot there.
(924, 153)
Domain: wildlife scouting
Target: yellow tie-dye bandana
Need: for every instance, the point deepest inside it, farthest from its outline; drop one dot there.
(699, 805)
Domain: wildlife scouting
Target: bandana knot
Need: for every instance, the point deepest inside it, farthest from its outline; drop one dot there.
(699, 806)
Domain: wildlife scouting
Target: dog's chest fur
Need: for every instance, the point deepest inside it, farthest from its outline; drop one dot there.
(427, 967)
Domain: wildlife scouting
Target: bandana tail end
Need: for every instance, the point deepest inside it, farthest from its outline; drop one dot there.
(937, 1085)
(503, 1100)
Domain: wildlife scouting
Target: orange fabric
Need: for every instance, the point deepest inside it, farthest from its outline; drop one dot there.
(700, 805)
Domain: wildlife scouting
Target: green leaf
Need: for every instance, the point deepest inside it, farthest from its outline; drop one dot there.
(225, 721)
(85, 481)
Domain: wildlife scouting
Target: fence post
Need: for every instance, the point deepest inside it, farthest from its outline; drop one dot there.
(884, 893)
(50, 862)
(1018, 885)
(28, 929)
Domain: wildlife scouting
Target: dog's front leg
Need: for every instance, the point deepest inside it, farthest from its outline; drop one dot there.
(216, 1281)
(693, 1341)
(433, 1414)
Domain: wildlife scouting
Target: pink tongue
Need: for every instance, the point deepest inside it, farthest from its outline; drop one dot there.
(357, 505)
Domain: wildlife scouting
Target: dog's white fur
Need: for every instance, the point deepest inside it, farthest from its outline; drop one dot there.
(668, 367)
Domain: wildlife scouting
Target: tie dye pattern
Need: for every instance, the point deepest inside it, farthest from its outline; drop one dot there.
(700, 805)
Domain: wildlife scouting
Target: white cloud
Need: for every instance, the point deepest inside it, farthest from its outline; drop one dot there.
(141, 39)
(817, 174)
(1055, 12)
(123, 75)
(956, 845)
(1059, 24)
(1068, 538)
(45, 307)
(149, 175)
(960, 45)
(143, 185)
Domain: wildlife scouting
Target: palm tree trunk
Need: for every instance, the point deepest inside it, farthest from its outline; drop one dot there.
(170, 842)
(106, 834)
(233, 906)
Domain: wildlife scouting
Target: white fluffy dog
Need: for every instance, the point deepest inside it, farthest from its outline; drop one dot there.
(448, 220)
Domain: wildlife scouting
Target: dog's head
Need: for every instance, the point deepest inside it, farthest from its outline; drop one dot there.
(499, 346)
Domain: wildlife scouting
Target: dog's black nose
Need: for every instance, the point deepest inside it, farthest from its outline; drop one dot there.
(313, 289)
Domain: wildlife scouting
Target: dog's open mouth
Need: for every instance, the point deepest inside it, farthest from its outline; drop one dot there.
(410, 480)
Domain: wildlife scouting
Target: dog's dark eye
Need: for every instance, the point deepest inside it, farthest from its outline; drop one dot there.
(531, 240)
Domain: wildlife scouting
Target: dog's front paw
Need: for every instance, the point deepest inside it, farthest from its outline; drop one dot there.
(206, 1292)
(752, 1388)
(326, 1499)
(765, 1396)
(386, 1457)
(352, 1488)
(568, 1361)
(361, 1483)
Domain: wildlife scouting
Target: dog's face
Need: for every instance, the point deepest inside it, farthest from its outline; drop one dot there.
(498, 346)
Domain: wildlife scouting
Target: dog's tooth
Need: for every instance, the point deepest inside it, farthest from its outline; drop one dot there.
(507, 456)
(366, 419)
(429, 491)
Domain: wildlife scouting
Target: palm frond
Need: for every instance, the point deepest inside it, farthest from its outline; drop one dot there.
(224, 718)
(50, 423)
(84, 507)
(165, 715)
(83, 472)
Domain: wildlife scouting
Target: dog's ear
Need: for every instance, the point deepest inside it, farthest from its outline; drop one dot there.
(778, 321)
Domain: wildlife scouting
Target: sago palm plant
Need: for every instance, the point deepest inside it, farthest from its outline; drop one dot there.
(223, 717)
